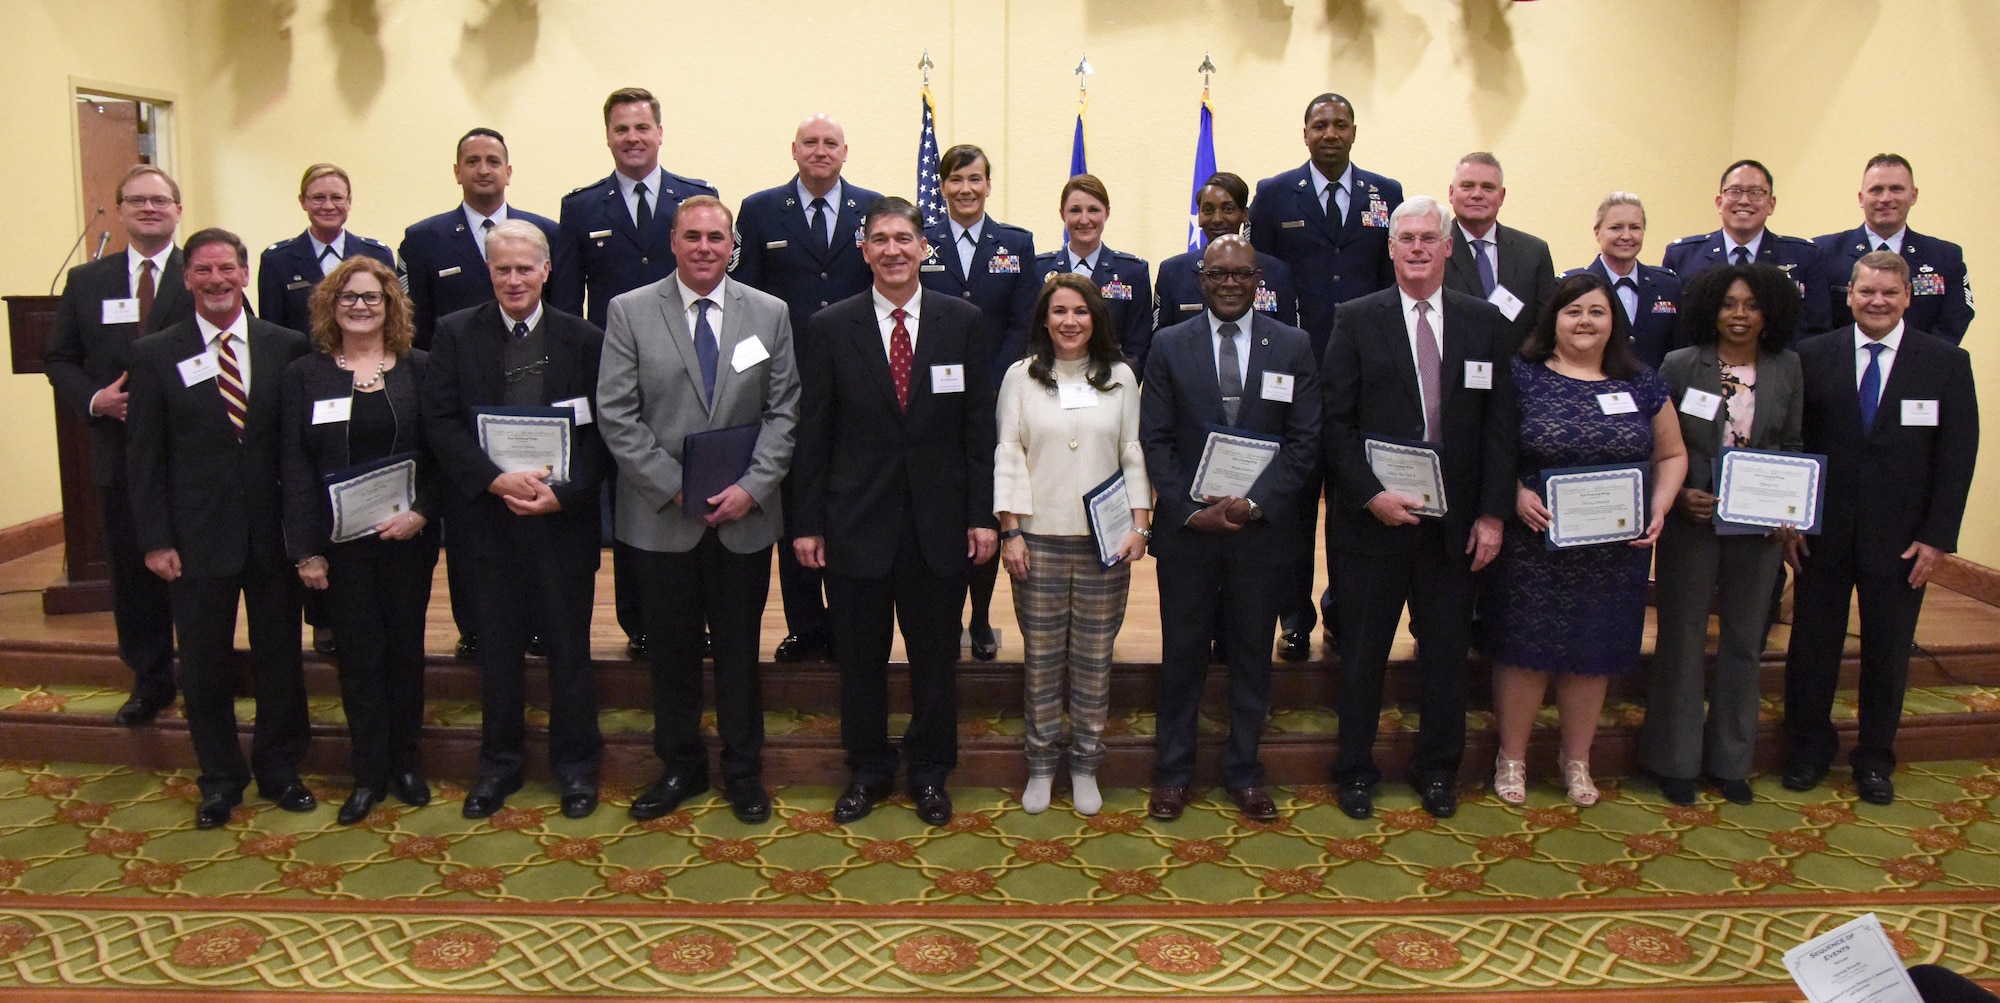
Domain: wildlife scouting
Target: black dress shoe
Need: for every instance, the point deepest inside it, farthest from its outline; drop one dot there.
(323, 640)
(933, 804)
(985, 646)
(1439, 797)
(1874, 786)
(467, 648)
(707, 645)
(1218, 653)
(409, 788)
(488, 795)
(142, 708)
(1803, 776)
(665, 795)
(1355, 800)
(213, 811)
(579, 796)
(1167, 802)
(1295, 646)
(1736, 791)
(857, 801)
(1254, 803)
(1677, 790)
(359, 804)
(294, 797)
(748, 802)
(635, 647)
(537, 647)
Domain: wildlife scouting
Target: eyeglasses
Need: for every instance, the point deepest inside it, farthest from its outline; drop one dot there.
(1244, 275)
(1747, 194)
(1428, 239)
(326, 200)
(371, 299)
(156, 201)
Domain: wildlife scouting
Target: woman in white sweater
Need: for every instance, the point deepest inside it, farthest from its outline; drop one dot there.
(1068, 423)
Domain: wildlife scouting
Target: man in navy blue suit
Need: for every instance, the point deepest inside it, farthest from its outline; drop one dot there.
(1940, 293)
(444, 266)
(1746, 199)
(801, 242)
(1329, 221)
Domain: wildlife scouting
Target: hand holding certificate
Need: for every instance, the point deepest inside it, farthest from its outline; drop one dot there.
(1110, 513)
(527, 439)
(1231, 462)
(1592, 505)
(1852, 963)
(364, 497)
(1758, 490)
(1410, 469)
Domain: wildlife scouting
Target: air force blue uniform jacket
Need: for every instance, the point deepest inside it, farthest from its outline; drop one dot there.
(600, 251)
(287, 273)
(1655, 329)
(1126, 283)
(1003, 284)
(1940, 294)
(445, 271)
(1332, 261)
(776, 253)
(1689, 256)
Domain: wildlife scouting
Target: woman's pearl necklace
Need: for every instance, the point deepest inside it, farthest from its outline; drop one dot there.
(381, 365)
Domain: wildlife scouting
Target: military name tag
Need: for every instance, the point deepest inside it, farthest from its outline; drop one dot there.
(598, 234)
(1292, 224)
(1116, 291)
(297, 283)
(772, 245)
(930, 268)
(445, 273)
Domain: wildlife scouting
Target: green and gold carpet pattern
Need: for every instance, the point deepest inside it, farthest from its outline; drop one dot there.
(105, 885)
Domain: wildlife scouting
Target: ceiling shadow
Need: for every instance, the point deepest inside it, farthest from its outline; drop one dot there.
(255, 54)
(354, 27)
(1486, 47)
(1371, 48)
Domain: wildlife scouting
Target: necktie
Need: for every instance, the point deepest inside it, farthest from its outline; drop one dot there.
(147, 289)
(1885, 248)
(327, 251)
(1742, 255)
(1229, 372)
(645, 213)
(901, 358)
(706, 350)
(971, 248)
(1482, 249)
(819, 225)
(1628, 294)
(1871, 386)
(485, 229)
(1429, 378)
(520, 329)
(1082, 267)
(230, 382)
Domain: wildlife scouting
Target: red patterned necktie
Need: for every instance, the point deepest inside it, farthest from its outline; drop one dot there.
(230, 383)
(900, 358)
(147, 290)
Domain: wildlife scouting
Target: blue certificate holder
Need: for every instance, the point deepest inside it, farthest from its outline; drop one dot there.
(711, 461)
(531, 439)
(1109, 509)
(1409, 468)
(363, 496)
(1232, 460)
(1759, 490)
(1595, 505)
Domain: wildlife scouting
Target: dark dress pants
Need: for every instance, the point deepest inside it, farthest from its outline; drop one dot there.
(461, 582)
(522, 587)
(205, 616)
(1298, 609)
(1437, 584)
(628, 601)
(378, 592)
(714, 587)
(1198, 583)
(864, 611)
(1889, 608)
(141, 603)
(801, 588)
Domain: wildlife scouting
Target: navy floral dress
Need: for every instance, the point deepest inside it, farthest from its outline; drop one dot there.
(1580, 610)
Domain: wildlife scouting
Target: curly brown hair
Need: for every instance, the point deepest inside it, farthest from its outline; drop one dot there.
(398, 330)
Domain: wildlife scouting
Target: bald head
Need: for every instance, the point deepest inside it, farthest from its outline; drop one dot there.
(1229, 276)
(820, 150)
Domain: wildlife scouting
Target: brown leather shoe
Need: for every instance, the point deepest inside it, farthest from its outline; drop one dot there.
(1168, 802)
(1255, 805)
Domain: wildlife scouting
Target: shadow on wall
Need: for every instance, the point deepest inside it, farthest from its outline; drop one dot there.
(256, 53)
(499, 44)
(1486, 47)
(1371, 47)
(1247, 29)
(355, 29)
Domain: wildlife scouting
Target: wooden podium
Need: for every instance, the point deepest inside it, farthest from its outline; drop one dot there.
(86, 588)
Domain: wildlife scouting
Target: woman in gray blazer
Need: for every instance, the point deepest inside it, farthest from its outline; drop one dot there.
(1737, 386)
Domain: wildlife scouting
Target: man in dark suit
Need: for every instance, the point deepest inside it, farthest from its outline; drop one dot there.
(1329, 221)
(794, 243)
(105, 305)
(1490, 260)
(1894, 411)
(1418, 363)
(288, 270)
(1219, 556)
(203, 463)
(894, 484)
(1745, 202)
(691, 354)
(444, 267)
(1940, 293)
(534, 544)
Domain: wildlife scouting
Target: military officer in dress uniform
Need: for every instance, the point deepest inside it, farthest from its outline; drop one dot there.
(1124, 279)
(992, 265)
(801, 242)
(1505, 267)
(1940, 294)
(1746, 200)
(1222, 207)
(1649, 295)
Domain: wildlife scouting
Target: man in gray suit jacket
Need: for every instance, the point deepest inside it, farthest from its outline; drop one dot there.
(699, 352)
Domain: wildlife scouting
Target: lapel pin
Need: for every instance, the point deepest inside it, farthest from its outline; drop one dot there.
(1266, 341)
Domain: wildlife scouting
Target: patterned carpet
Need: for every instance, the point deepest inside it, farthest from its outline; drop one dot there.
(105, 886)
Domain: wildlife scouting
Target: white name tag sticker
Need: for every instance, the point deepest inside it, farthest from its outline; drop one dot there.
(749, 352)
(772, 245)
(445, 273)
(121, 311)
(581, 405)
(947, 379)
(1920, 412)
(1700, 403)
(1478, 375)
(1618, 403)
(332, 409)
(1076, 395)
(598, 235)
(205, 366)
(1278, 387)
(1510, 305)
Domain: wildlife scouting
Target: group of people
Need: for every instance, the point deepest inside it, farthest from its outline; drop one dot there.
(907, 398)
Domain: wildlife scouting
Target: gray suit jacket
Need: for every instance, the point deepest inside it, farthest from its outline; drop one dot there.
(1781, 406)
(650, 398)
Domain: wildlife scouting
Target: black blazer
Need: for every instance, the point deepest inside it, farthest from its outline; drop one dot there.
(1183, 397)
(287, 273)
(1895, 483)
(1525, 269)
(86, 355)
(463, 373)
(310, 452)
(194, 486)
(443, 269)
(860, 460)
(1369, 382)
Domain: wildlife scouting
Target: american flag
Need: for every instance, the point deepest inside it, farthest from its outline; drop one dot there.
(930, 188)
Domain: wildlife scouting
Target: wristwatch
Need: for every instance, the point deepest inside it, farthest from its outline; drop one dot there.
(1009, 534)
(1256, 510)
(1147, 533)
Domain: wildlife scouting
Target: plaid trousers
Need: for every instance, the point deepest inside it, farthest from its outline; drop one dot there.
(1070, 610)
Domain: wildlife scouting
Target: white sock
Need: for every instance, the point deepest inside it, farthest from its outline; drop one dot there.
(1083, 794)
(1035, 798)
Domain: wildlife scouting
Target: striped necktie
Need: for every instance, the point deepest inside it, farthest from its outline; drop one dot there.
(229, 381)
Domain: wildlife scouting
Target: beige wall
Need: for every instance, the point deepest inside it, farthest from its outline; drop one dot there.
(1576, 99)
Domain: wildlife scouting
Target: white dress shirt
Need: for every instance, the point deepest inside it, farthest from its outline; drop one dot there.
(1893, 340)
(629, 188)
(1492, 247)
(960, 247)
(478, 223)
(533, 320)
(133, 259)
(1242, 340)
(691, 313)
(1436, 301)
(1343, 197)
(883, 320)
(238, 332)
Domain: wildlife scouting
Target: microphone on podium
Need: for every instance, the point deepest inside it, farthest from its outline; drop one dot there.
(79, 243)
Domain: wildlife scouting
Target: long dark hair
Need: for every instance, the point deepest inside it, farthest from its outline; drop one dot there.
(1777, 299)
(1103, 351)
(1619, 362)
